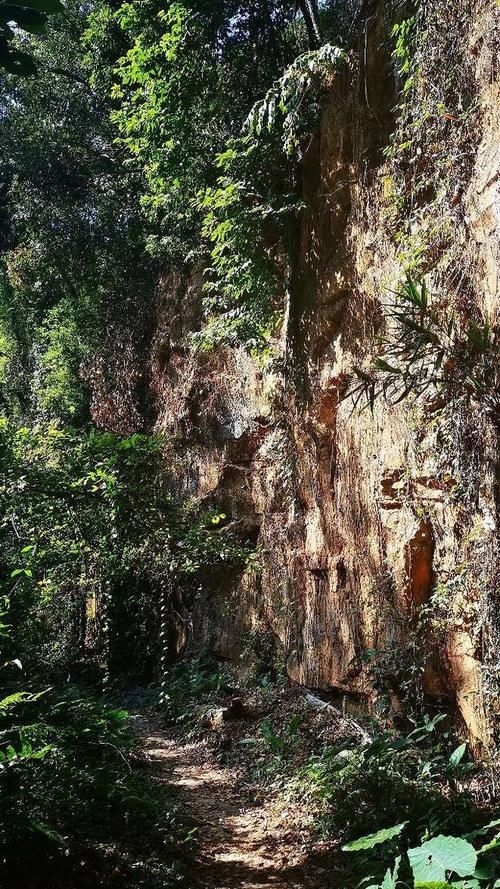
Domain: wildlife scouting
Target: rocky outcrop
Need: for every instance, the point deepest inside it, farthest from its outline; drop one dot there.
(378, 528)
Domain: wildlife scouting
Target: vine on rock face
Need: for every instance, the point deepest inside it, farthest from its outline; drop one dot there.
(247, 214)
(306, 78)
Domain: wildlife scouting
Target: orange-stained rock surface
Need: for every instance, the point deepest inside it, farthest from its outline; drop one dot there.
(363, 517)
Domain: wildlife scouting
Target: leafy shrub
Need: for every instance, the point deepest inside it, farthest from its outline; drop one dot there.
(183, 87)
(285, 742)
(92, 540)
(390, 780)
(70, 799)
(438, 861)
(384, 799)
(71, 796)
(247, 214)
(191, 683)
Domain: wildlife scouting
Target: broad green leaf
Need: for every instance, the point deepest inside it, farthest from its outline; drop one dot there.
(494, 844)
(443, 854)
(463, 884)
(458, 755)
(42, 753)
(374, 839)
(432, 885)
(482, 830)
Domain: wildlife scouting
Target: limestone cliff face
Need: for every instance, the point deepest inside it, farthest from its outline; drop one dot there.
(378, 528)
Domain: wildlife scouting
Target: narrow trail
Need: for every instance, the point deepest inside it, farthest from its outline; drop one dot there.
(241, 843)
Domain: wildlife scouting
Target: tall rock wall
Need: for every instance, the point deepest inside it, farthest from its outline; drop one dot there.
(378, 528)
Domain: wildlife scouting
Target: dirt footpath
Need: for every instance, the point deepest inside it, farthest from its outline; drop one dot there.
(242, 844)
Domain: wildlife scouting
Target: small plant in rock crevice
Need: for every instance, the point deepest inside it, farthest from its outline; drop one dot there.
(426, 350)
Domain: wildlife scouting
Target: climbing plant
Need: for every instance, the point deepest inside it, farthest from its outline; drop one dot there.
(248, 213)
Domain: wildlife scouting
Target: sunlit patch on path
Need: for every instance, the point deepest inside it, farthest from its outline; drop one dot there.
(241, 843)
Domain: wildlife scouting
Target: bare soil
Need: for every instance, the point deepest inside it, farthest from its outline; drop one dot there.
(240, 841)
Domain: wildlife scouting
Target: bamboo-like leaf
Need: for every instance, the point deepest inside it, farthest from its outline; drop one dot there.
(381, 364)
(375, 839)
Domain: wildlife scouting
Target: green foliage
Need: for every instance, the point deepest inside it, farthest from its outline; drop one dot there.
(159, 117)
(306, 78)
(415, 776)
(427, 350)
(73, 242)
(247, 215)
(374, 839)
(91, 539)
(403, 34)
(192, 683)
(285, 742)
(432, 148)
(242, 283)
(180, 105)
(61, 347)
(434, 859)
(182, 89)
(436, 863)
(71, 799)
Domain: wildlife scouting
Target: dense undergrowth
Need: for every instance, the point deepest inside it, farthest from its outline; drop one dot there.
(97, 552)
(76, 803)
(96, 555)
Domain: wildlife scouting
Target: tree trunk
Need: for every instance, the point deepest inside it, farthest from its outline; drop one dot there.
(310, 11)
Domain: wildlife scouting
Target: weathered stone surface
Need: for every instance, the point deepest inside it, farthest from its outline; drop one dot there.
(355, 510)
(363, 517)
